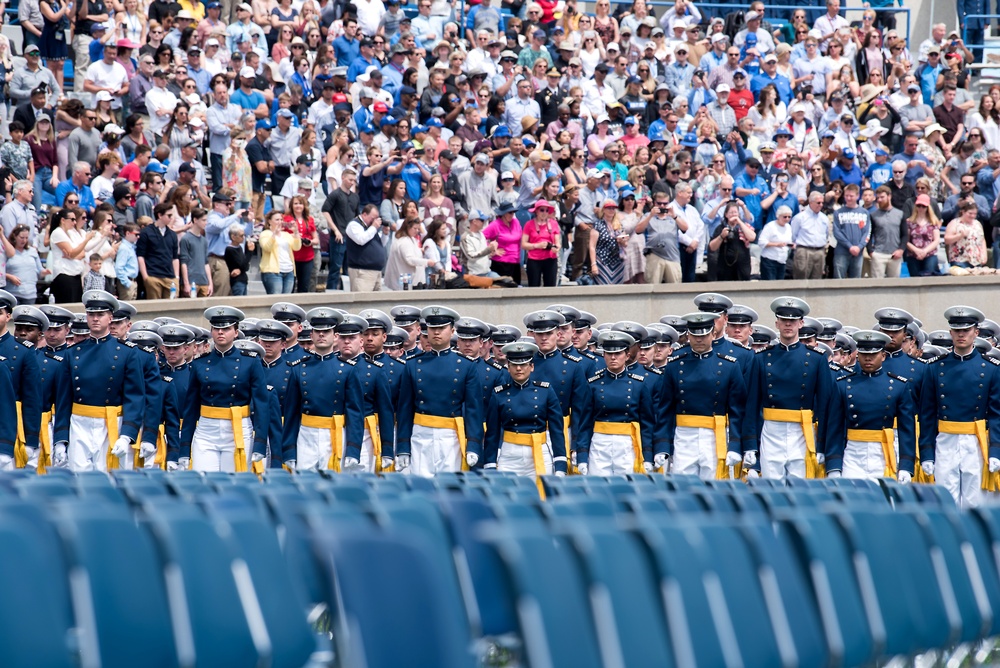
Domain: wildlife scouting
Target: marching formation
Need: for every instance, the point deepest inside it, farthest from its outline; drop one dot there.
(713, 393)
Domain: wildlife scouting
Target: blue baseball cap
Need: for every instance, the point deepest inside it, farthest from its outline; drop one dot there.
(501, 131)
(417, 129)
(156, 168)
(881, 152)
(828, 134)
(690, 140)
(847, 153)
(388, 120)
(434, 123)
(367, 128)
(407, 145)
(528, 141)
(656, 132)
(264, 124)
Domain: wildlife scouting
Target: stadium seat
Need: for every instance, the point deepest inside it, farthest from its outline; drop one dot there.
(982, 563)
(579, 507)
(44, 488)
(385, 620)
(288, 511)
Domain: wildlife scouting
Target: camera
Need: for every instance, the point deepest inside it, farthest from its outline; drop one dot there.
(548, 246)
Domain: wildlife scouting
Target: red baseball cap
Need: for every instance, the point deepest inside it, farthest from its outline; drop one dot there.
(381, 108)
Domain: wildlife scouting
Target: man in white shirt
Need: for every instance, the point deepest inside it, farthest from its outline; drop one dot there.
(369, 14)
(765, 44)
(830, 23)
(108, 74)
(160, 103)
(810, 235)
(692, 241)
(775, 240)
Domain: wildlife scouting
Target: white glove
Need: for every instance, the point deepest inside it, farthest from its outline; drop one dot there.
(350, 464)
(583, 468)
(749, 458)
(647, 467)
(904, 477)
(173, 466)
(994, 464)
(184, 463)
(6, 463)
(820, 458)
(402, 462)
(386, 463)
(256, 457)
(572, 458)
(59, 455)
(147, 450)
(733, 458)
(121, 446)
(560, 474)
(660, 460)
(290, 464)
(471, 459)
(30, 452)
(833, 474)
(752, 473)
(928, 467)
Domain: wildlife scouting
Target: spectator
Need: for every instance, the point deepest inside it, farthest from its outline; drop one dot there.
(888, 238)
(775, 241)
(541, 239)
(94, 279)
(366, 254)
(28, 112)
(852, 231)
(261, 164)
(196, 276)
(85, 141)
(52, 42)
(923, 239)
(278, 243)
(24, 267)
(158, 254)
(18, 210)
(68, 244)
(339, 210)
(405, 257)
(506, 231)
(238, 260)
(732, 241)
(607, 240)
(964, 238)
(127, 264)
(105, 247)
(107, 75)
(297, 214)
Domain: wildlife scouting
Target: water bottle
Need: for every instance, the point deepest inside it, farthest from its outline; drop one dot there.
(173, 291)
(194, 292)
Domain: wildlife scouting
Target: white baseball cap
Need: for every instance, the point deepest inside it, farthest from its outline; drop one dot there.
(248, 73)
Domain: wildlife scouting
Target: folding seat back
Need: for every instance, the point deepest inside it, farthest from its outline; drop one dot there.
(982, 563)
(351, 495)
(650, 507)
(852, 623)
(43, 488)
(385, 621)
(288, 511)
(624, 591)
(682, 502)
(107, 494)
(683, 482)
(584, 507)
(106, 550)
(936, 495)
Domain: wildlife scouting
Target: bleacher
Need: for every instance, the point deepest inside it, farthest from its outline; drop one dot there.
(149, 569)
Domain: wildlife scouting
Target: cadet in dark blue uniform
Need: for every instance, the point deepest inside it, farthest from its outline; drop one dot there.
(306, 337)
(761, 337)
(23, 364)
(960, 415)
(324, 405)
(273, 337)
(654, 377)
(679, 325)
(500, 337)
(440, 416)
(795, 387)
(227, 411)
(376, 340)
(666, 338)
(615, 433)
(376, 450)
(8, 417)
(524, 431)
(30, 326)
(408, 318)
(100, 395)
(861, 442)
(395, 339)
(470, 343)
(582, 332)
(168, 423)
(50, 356)
(292, 316)
(174, 347)
(704, 403)
(564, 336)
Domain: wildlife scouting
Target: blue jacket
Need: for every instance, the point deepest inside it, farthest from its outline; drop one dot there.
(959, 389)
(566, 375)
(23, 364)
(377, 401)
(525, 409)
(619, 398)
(8, 411)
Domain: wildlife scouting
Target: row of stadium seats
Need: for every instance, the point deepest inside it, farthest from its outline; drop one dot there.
(142, 568)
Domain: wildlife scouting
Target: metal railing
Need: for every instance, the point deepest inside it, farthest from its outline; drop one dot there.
(965, 31)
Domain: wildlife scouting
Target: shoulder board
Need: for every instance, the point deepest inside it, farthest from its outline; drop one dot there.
(674, 358)
(635, 376)
(296, 362)
(376, 363)
(835, 366)
(248, 353)
(27, 344)
(992, 360)
(128, 344)
(2, 358)
(541, 383)
(500, 388)
(934, 359)
(737, 343)
(898, 377)
(573, 356)
(167, 379)
(270, 388)
(845, 376)
(493, 363)
(653, 370)
(596, 376)
(728, 358)
(399, 360)
(352, 361)
(53, 356)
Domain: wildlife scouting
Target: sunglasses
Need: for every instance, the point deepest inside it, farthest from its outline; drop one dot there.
(72, 201)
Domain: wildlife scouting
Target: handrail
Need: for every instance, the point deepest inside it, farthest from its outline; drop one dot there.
(965, 30)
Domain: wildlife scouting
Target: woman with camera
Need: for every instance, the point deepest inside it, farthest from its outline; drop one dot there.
(732, 240)
(278, 243)
(541, 239)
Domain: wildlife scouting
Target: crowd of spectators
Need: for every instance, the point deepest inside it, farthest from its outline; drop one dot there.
(530, 143)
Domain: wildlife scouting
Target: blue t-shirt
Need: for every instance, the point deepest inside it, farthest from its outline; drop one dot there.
(346, 50)
(879, 175)
(414, 182)
(249, 101)
(848, 176)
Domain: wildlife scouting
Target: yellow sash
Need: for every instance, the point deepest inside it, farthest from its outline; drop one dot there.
(20, 454)
(624, 429)
(883, 436)
(535, 441)
(991, 481)
(371, 424)
(456, 424)
(335, 424)
(45, 443)
(570, 469)
(235, 415)
(804, 417)
(719, 424)
(110, 415)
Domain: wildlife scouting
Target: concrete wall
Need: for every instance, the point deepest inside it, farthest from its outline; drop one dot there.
(850, 301)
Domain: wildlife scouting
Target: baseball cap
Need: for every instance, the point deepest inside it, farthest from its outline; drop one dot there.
(507, 176)
(913, 88)
(381, 107)
(248, 73)
(847, 153)
(538, 34)
(630, 120)
(285, 113)
(121, 191)
(367, 128)
(263, 124)
(722, 88)
(188, 167)
(881, 151)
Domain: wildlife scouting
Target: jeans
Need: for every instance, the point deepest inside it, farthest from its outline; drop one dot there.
(926, 267)
(771, 270)
(42, 177)
(846, 265)
(238, 289)
(336, 264)
(278, 283)
(304, 277)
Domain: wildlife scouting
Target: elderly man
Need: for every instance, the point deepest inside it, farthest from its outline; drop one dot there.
(19, 211)
(810, 235)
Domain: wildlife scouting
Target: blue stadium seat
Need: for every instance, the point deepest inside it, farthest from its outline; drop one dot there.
(579, 507)
(386, 621)
(44, 488)
(624, 583)
(985, 567)
(683, 482)
(115, 587)
(288, 511)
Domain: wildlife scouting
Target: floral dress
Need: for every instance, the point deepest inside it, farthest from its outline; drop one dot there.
(936, 160)
(236, 170)
(969, 250)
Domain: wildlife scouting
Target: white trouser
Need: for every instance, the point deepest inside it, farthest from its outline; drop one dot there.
(694, 452)
(863, 459)
(958, 465)
(33, 459)
(88, 444)
(611, 454)
(367, 451)
(782, 450)
(213, 446)
(520, 459)
(434, 450)
(313, 449)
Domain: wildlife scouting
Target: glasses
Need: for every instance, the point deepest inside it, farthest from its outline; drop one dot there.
(73, 218)
(718, 162)
(298, 46)
(899, 171)
(974, 134)
(72, 201)
(91, 118)
(377, 41)
(726, 190)
(738, 76)
(675, 171)
(644, 69)
(158, 182)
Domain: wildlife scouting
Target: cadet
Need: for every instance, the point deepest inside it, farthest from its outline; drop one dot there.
(168, 422)
(795, 385)
(30, 326)
(564, 337)
(960, 414)
(679, 325)
(273, 337)
(23, 364)
(176, 339)
(491, 374)
(739, 324)
(666, 337)
(582, 331)
(564, 373)
(893, 322)
(99, 395)
(248, 328)
(867, 403)
(50, 357)
(761, 337)
(306, 337)
(503, 335)
(395, 340)
(380, 335)
(375, 451)
(79, 330)
(704, 399)
(408, 318)
(647, 345)
(324, 406)
(438, 430)
(615, 433)
(845, 351)
(654, 377)
(8, 418)
(227, 408)
(811, 327)
(291, 315)
(59, 319)
(121, 324)
(828, 333)
(524, 432)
